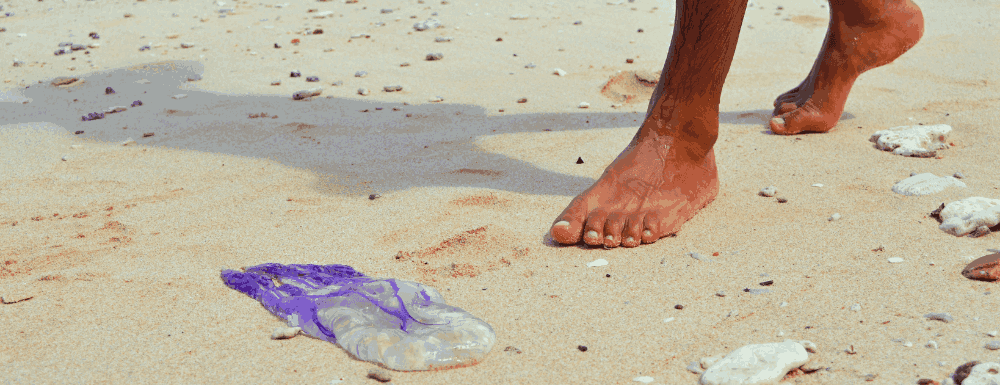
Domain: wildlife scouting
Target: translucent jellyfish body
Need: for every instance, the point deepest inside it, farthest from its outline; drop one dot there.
(401, 325)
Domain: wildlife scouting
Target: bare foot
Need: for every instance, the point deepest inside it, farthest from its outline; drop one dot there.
(648, 192)
(854, 44)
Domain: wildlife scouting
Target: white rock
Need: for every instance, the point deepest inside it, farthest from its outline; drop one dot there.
(128, 142)
(321, 15)
(584, 105)
(643, 379)
(559, 72)
(519, 17)
(917, 141)
(987, 373)
(768, 191)
(426, 24)
(281, 333)
(926, 183)
(962, 217)
(895, 260)
(756, 364)
(834, 217)
(817, 185)
(599, 262)
(179, 96)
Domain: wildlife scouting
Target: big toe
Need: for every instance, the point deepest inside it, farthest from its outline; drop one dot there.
(567, 232)
(777, 125)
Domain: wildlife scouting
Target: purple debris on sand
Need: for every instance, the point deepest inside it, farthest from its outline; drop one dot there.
(93, 116)
(109, 91)
(401, 325)
(137, 103)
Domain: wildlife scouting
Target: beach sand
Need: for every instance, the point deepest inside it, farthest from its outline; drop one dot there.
(119, 248)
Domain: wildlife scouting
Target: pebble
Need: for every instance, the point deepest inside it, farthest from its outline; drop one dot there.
(584, 105)
(599, 262)
(944, 317)
(137, 103)
(295, 74)
(360, 74)
(92, 116)
(442, 39)
(187, 45)
(699, 257)
(426, 24)
(519, 17)
(282, 333)
(925, 184)
(114, 110)
(179, 96)
(276, 82)
(959, 175)
(530, 65)
(558, 72)
(817, 185)
(379, 375)
(312, 79)
(386, 10)
(895, 260)
(404, 64)
(337, 83)
(435, 56)
(436, 99)
(643, 379)
(299, 95)
(986, 268)
(374, 196)
(834, 217)
(109, 91)
(758, 363)
(768, 191)
(362, 91)
(128, 142)
(393, 88)
(993, 345)
(361, 36)
(856, 307)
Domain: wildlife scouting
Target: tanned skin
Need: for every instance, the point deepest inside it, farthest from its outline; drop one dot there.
(667, 173)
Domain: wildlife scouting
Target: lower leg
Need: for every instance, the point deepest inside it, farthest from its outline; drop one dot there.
(862, 35)
(667, 173)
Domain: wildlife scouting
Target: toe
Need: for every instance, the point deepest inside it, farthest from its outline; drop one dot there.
(568, 228)
(613, 227)
(593, 230)
(632, 236)
(651, 228)
(777, 125)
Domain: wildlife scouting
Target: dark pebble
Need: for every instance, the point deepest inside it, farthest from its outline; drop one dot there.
(137, 103)
(374, 197)
(522, 100)
(109, 91)
(77, 47)
(94, 35)
(93, 116)
(379, 375)
(148, 134)
(499, 39)
(276, 45)
(579, 160)
(629, 61)
(582, 348)
(435, 56)
(782, 200)
(296, 74)
(640, 30)
(78, 132)
(392, 88)
(678, 306)
(144, 48)
(312, 79)
(318, 31)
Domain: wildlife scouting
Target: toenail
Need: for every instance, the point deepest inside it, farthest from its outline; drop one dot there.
(778, 120)
(591, 234)
(562, 223)
(610, 238)
(630, 240)
(647, 233)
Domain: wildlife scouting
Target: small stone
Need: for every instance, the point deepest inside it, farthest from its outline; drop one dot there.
(295, 74)
(817, 185)
(782, 200)
(360, 36)
(522, 100)
(579, 160)
(856, 307)
(435, 56)
(179, 96)
(932, 344)
(386, 10)
(834, 217)
(986, 268)
(944, 317)
(187, 45)
(530, 65)
(584, 105)
(404, 64)
(629, 61)
(895, 260)
(598, 262)
(959, 175)
(137, 103)
(442, 39)
(128, 142)
(582, 348)
(915, 141)
(109, 91)
(337, 83)
(426, 24)
(363, 91)
(299, 95)
(992, 333)
(276, 82)
(578, 22)
(374, 197)
(360, 74)
(312, 79)
(436, 99)
(393, 88)
(558, 72)
(962, 217)
(282, 333)
(993, 345)
(519, 17)
(379, 375)
(114, 110)
(768, 191)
